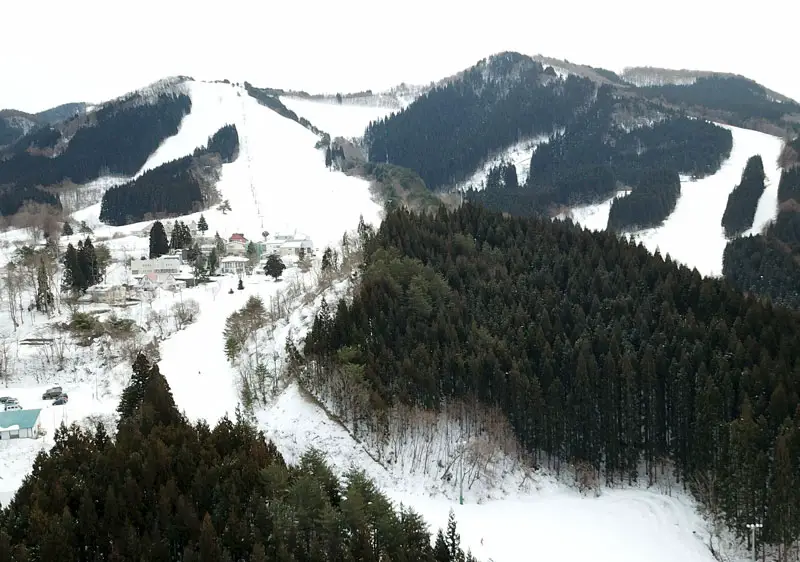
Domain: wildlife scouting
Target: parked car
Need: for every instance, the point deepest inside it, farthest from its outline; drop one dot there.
(8, 400)
(63, 396)
(52, 393)
(60, 401)
(12, 407)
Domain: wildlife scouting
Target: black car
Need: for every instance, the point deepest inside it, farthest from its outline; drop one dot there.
(60, 401)
(52, 393)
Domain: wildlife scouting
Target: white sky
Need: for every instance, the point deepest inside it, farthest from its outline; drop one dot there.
(58, 51)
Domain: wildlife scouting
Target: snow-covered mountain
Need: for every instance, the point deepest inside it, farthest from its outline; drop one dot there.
(693, 234)
(279, 183)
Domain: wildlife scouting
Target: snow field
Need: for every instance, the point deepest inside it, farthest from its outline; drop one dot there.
(347, 120)
(692, 234)
(519, 154)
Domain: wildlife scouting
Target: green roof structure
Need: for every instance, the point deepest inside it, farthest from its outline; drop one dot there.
(24, 419)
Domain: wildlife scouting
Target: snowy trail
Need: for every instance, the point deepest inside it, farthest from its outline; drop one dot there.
(692, 234)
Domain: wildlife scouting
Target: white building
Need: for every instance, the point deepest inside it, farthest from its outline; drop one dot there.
(108, 294)
(163, 267)
(234, 265)
(286, 245)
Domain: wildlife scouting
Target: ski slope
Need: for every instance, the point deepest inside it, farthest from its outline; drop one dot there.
(693, 234)
(279, 181)
(347, 119)
(519, 154)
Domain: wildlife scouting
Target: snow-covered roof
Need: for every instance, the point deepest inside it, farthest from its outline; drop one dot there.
(296, 244)
(230, 259)
(18, 419)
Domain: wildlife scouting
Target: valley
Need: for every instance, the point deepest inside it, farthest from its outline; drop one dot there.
(378, 350)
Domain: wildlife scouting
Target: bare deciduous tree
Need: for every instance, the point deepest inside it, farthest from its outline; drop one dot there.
(5, 360)
(158, 321)
(184, 313)
(12, 283)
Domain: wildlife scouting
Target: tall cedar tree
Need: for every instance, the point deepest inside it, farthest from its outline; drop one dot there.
(159, 245)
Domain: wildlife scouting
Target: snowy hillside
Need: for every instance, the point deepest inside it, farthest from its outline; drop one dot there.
(693, 234)
(519, 154)
(279, 182)
(347, 119)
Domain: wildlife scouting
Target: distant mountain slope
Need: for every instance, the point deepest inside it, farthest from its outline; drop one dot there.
(61, 112)
(692, 234)
(454, 129)
(768, 263)
(16, 124)
(115, 138)
(278, 182)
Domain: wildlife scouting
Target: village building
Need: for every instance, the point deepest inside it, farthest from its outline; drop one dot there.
(286, 245)
(107, 294)
(161, 268)
(234, 265)
(236, 245)
(19, 424)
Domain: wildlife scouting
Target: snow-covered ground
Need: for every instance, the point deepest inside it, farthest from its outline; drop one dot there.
(280, 179)
(347, 119)
(693, 234)
(519, 154)
(279, 182)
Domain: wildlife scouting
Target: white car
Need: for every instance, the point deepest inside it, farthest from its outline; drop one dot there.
(12, 407)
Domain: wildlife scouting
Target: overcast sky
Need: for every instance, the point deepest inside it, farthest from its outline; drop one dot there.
(59, 51)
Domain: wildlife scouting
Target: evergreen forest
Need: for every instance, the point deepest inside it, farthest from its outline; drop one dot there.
(591, 159)
(768, 263)
(649, 204)
(736, 100)
(163, 489)
(740, 210)
(175, 188)
(599, 353)
(116, 141)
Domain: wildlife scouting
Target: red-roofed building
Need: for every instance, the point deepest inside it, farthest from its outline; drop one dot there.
(237, 244)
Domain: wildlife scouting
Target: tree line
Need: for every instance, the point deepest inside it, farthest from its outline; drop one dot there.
(113, 140)
(448, 132)
(592, 158)
(740, 210)
(649, 205)
(84, 266)
(178, 187)
(599, 353)
(163, 489)
(740, 100)
(768, 263)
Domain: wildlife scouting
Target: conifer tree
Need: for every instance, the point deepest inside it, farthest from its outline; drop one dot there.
(202, 225)
(274, 266)
(159, 245)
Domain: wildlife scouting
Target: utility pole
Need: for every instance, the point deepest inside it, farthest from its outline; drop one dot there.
(461, 483)
(753, 527)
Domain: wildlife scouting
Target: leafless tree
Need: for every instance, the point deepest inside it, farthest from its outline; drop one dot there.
(5, 356)
(60, 350)
(11, 281)
(159, 321)
(184, 313)
(38, 220)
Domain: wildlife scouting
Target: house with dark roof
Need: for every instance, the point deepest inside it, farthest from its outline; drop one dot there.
(19, 424)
